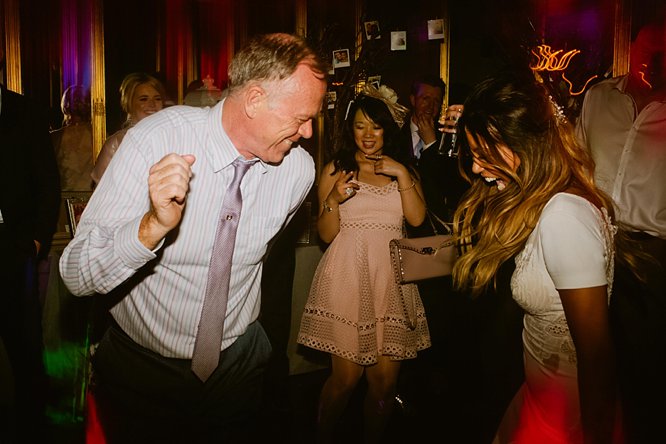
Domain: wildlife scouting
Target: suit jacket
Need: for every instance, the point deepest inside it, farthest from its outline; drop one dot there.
(29, 180)
(442, 184)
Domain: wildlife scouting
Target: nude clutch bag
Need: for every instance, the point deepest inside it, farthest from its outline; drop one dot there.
(419, 258)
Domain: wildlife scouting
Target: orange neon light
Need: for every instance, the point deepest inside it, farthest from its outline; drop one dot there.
(549, 60)
(582, 89)
(642, 73)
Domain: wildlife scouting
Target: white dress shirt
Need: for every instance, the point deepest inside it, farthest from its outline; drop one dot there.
(416, 138)
(164, 289)
(630, 153)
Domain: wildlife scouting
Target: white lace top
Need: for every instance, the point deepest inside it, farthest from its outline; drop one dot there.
(571, 247)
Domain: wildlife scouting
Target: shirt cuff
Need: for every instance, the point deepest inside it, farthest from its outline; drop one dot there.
(128, 247)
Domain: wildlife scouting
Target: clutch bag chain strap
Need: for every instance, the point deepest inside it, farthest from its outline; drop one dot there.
(427, 250)
(446, 225)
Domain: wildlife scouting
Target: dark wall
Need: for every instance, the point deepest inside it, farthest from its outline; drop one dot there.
(130, 45)
(266, 16)
(485, 35)
(40, 57)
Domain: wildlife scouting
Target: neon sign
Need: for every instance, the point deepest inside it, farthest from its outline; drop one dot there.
(556, 61)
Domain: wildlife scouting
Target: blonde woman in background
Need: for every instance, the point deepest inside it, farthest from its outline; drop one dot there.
(140, 96)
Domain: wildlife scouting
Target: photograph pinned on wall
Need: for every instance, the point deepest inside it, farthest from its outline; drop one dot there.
(398, 40)
(372, 31)
(341, 58)
(435, 29)
(375, 81)
(331, 98)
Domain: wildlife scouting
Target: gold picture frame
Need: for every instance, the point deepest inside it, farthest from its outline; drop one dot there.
(64, 227)
(75, 207)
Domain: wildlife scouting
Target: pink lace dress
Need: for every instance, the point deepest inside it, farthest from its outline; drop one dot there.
(354, 309)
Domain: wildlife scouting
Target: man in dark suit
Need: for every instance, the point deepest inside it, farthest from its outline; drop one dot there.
(29, 204)
(441, 181)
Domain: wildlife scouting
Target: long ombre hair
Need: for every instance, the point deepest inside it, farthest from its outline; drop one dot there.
(515, 111)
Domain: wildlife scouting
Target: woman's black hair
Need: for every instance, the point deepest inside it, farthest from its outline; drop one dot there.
(378, 112)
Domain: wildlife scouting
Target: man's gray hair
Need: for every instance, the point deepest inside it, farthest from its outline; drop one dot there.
(270, 57)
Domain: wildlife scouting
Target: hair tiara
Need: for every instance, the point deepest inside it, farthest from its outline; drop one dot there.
(558, 111)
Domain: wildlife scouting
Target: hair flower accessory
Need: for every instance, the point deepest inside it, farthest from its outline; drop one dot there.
(388, 93)
(390, 98)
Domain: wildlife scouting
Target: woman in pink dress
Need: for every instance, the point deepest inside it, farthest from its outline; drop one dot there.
(355, 310)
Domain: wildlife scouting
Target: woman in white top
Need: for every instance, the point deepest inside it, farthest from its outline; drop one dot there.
(140, 96)
(533, 200)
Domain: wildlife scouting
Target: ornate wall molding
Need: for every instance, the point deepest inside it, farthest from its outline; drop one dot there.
(445, 54)
(13, 46)
(98, 82)
(621, 37)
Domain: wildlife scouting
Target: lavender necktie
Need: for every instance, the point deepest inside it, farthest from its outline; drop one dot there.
(207, 346)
